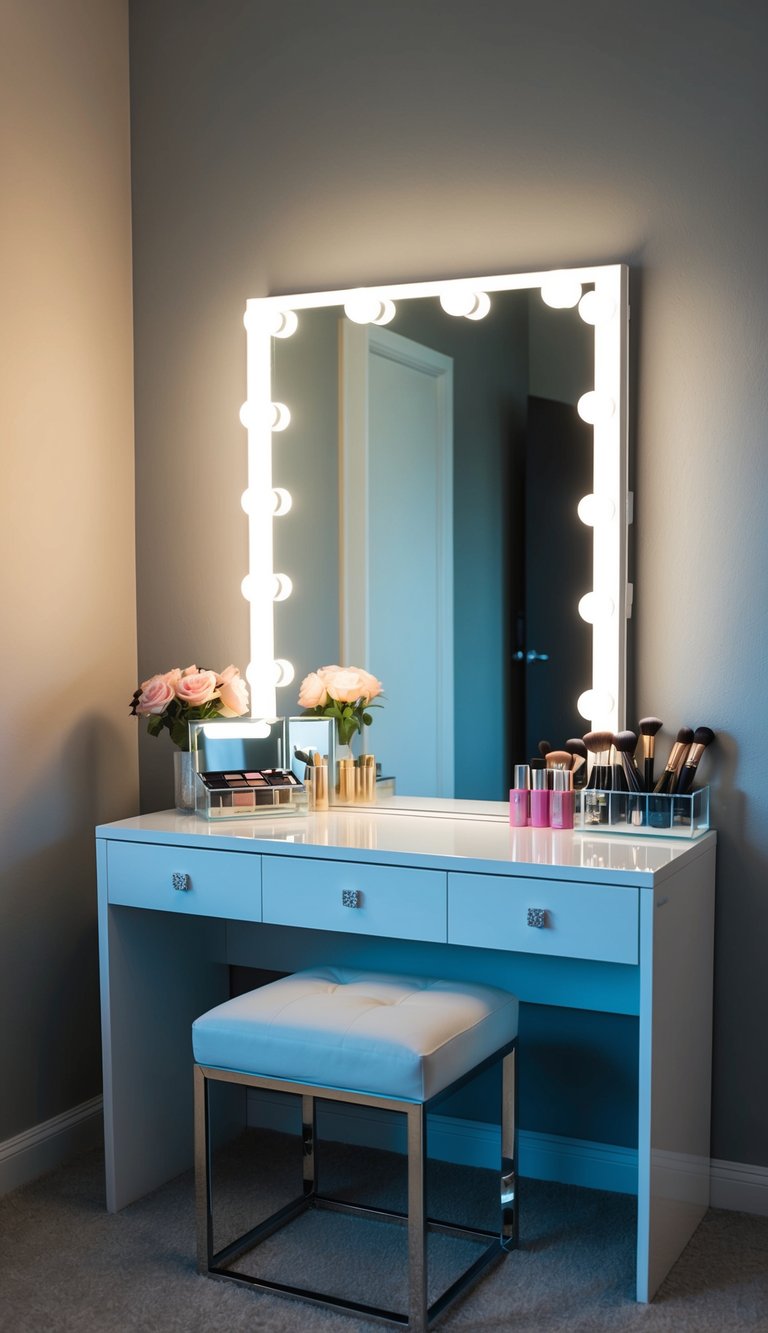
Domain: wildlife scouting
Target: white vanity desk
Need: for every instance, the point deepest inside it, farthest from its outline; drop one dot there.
(628, 928)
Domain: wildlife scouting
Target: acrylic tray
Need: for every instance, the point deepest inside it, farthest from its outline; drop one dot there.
(225, 796)
(642, 813)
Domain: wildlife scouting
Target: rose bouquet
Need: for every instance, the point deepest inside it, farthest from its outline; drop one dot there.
(175, 698)
(342, 693)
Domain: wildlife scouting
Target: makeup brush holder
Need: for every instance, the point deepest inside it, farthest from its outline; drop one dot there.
(663, 816)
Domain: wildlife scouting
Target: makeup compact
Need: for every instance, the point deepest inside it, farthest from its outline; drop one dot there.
(249, 792)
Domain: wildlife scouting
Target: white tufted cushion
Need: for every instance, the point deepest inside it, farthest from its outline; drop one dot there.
(395, 1036)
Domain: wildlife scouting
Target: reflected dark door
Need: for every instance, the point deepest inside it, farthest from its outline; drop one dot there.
(558, 571)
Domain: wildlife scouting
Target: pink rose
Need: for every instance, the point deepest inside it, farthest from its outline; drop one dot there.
(313, 692)
(156, 694)
(347, 685)
(233, 692)
(196, 687)
(327, 673)
(371, 686)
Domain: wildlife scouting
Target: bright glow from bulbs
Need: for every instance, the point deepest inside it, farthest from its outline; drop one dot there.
(282, 587)
(249, 588)
(368, 308)
(234, 731)
(461, 300)
(596, 509)
(281, 416)
(281, 501)
(595, 704)
(594, 407)
(560, 291)
(278, 323)
(595, 606)
(283, 671)
(276, 416)
(595, 308)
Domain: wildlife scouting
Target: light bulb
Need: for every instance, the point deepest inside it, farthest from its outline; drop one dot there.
(596, 308)
(278, 323)
(283, 671)
(367, 308)
(595, 704)
(482, 306)
(560, 291)
(280, 415)
(282, 587)
(595, 606)
(275, 416)
(594, 407)
(281, 501)
(459, 300)
(594, 509)
(249, 587)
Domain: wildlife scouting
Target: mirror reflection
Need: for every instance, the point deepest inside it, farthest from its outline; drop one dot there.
(465, 558)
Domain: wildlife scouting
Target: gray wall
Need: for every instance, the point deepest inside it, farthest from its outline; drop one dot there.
(67, 584)
(288, 146)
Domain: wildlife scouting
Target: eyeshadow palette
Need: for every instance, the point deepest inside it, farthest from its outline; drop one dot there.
(249, 792)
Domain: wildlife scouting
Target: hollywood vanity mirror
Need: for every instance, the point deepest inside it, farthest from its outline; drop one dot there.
(437, 491)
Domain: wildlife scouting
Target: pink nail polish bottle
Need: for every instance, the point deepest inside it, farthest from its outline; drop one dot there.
(520, 797)
(562, 800)
(540, 795)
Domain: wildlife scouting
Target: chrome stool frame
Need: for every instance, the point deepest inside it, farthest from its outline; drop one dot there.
(420, 1316)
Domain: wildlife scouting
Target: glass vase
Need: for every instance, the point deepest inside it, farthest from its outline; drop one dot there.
(184, 780)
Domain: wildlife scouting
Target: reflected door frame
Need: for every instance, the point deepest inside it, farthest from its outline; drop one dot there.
(357, 345)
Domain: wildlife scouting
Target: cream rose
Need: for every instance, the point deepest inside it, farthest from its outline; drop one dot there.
(156, 694)
(347, 686)
(233, 692)
(196, 687)
(373, 687)
(313, 692)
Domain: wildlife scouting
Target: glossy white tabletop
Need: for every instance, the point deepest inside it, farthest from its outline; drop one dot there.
(441, 839)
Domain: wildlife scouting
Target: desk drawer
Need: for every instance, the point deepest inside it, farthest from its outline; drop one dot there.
(211, 883)
(579, 920)
(390, 900)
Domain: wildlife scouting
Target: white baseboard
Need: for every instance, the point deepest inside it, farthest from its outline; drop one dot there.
(734, 1185)
(739, 1187)
(45, 1146)
(468, 1142)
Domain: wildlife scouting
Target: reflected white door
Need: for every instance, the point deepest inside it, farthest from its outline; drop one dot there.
(397, 532)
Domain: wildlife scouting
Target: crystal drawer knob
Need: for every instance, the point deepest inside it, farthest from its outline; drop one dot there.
(351, 898)
(181, 881)
(537, 916)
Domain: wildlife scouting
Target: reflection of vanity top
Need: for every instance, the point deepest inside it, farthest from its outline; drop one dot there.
(610, 924)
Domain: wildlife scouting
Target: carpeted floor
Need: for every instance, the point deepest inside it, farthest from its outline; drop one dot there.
(67, 1266)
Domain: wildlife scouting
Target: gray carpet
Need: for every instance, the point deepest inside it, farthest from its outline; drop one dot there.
(66, 1265)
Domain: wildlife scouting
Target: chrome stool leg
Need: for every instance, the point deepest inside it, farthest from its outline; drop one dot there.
(203, 1203)
(417, 1229)
(509, 1210)
(308, 1142)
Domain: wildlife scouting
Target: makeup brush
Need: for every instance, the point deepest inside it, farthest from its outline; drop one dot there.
(578, 751)
(544, 748)
(625, 743)
(648, 727)
(677, 757)
(558, 759)
(599, 744)
(702, 737)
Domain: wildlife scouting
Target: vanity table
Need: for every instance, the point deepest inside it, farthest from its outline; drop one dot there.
(612, 924)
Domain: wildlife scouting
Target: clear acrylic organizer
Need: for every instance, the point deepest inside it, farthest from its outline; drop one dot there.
(664, 816)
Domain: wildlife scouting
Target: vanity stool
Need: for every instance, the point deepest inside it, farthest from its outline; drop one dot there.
(396, 1043)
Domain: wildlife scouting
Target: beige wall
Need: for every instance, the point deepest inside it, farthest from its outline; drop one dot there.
(67, 583)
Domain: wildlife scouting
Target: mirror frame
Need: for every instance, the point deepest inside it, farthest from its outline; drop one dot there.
(603, 703)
